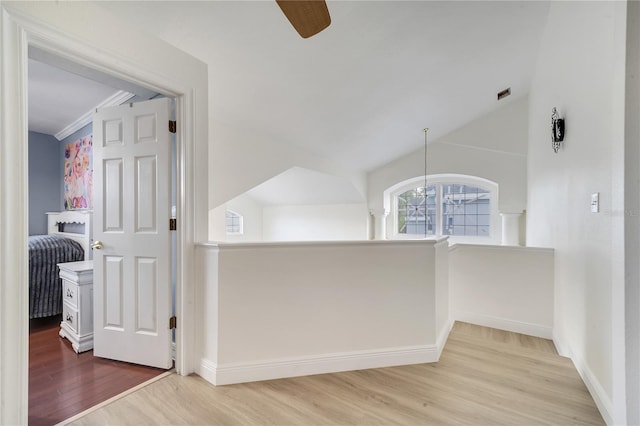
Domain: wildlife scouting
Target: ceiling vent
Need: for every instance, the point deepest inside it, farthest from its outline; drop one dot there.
(504, 93)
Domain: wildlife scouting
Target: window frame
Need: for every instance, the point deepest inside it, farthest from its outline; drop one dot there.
(240, 224)
(391, 205)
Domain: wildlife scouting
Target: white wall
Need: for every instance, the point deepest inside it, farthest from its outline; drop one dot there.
(315, 222)
(632, 221)
(287, 309)
(251, 212)
(509, 288)
(580, 71)
(493, 147)
(323, 222)
(442, 305)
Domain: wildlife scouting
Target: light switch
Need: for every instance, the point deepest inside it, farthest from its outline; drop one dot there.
(595, 202)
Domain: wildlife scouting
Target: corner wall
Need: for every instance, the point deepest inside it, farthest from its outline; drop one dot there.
(321, 222)
(580, 65)
(45, 175)
(310, 308)
(632, 216)
(504, 287)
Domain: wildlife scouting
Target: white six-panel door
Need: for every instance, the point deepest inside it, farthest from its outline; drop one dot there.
(132, 288)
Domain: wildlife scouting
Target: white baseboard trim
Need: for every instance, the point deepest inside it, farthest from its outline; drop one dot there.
(305, 366)
(207, 370)
(599, 395)
(537, 330)
(443, 337)
(560, 345)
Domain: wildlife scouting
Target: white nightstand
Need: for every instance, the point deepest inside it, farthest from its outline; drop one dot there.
(77, 305)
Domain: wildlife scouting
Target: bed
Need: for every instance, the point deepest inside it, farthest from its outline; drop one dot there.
(68, 240)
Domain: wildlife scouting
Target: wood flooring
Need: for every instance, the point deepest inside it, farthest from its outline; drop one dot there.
(484, 377)
(63, 383)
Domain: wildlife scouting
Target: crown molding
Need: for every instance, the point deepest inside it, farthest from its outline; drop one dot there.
(117, 98)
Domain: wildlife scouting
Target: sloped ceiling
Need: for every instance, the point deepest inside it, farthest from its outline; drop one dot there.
(299, 186)
(360, 92)
(357, 95)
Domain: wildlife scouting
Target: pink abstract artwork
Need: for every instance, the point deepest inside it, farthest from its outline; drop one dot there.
(78, 174)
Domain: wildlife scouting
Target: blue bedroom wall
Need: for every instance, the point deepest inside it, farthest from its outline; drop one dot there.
(45, 175)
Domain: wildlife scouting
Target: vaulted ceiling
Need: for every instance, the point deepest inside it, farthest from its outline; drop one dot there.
(361, 91)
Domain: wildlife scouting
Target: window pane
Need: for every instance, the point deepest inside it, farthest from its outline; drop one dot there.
(483, 206)
(483, 231)
(465, 210)
(471, 220)
(470, 230)
(233, 222)
(417, 211)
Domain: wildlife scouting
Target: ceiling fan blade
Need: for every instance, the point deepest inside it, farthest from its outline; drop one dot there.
(308, 17)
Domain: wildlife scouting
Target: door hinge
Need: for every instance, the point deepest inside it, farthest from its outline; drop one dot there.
(173, 224)
(172, 126)
(173, 322)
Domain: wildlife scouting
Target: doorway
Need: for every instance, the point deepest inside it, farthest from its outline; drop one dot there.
(63, 383)
(84, 34)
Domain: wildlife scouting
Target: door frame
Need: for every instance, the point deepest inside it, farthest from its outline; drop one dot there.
(101, 43)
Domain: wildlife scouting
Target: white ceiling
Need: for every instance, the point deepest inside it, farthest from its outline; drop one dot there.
(360, 92)
(63, 94)
(57, 98)
(299, 186)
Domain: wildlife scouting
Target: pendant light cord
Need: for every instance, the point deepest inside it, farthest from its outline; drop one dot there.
(426, 211)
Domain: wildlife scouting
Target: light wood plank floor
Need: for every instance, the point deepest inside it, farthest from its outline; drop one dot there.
(484, 377)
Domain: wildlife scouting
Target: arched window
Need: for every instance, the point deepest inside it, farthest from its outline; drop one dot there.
(233, 222)
(460, 206)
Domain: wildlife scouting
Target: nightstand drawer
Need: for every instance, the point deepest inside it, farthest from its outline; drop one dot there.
(70, 293)
(70, 317)
(77, 304)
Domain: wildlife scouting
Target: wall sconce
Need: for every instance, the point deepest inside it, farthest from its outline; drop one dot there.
(557, 130)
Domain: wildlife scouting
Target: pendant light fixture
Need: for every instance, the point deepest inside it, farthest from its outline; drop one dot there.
(424, 191)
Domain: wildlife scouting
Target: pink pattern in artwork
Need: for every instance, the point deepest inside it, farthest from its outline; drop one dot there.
(78, 174)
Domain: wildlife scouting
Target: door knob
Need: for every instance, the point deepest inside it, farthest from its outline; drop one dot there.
(97, 245)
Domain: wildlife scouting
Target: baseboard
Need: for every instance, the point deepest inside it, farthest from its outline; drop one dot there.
(207, 370)
(537, 330)
(560, 345)
(443, 337)
(599, 395)
(305, 366)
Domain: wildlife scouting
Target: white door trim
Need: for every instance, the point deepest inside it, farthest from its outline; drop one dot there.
(44, 26)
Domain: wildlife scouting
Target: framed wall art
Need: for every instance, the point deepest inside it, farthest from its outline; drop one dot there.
(78, 174)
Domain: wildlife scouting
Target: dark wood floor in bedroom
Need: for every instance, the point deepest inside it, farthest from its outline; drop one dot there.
(63, 383)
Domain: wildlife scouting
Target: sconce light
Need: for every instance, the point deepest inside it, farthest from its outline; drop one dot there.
(557, 130)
